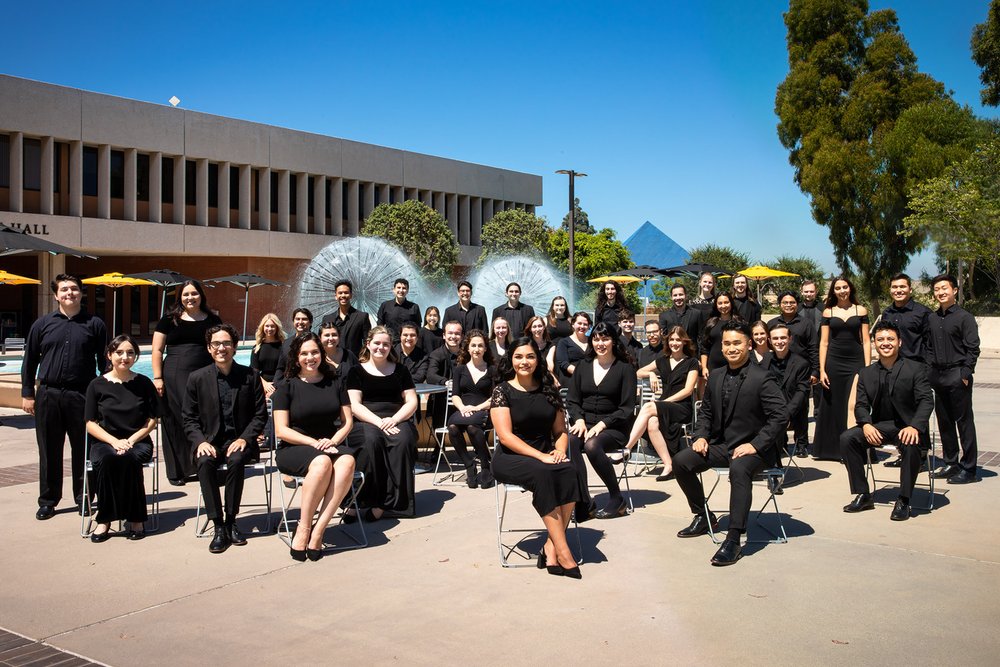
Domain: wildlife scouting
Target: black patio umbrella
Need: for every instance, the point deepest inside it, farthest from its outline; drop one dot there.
(693, 270)
(163, 278)
(246, 281)
(645, 273)
(13, 242)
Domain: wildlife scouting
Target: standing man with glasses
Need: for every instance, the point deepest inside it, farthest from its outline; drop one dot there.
(470, 315)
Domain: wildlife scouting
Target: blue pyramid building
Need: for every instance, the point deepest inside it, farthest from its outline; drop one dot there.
(648, 245)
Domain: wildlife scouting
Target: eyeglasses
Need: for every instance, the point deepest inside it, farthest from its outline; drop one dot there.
(220, 344)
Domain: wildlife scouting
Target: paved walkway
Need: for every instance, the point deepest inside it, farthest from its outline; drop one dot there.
(846, 589)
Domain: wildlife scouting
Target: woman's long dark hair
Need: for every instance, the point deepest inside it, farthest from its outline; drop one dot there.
(113, 345)
(293, 367)
(831, 297)
(617, 349)
(463, 352)
(689, 347)
(551, 317)
(178, 308)
(505, 370)
(602, 301)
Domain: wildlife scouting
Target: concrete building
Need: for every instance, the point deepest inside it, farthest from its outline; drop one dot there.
(146, 186)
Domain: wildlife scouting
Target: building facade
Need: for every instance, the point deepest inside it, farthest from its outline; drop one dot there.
(147, 186)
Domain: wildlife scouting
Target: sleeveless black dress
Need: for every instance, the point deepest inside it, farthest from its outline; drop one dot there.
(845, 356)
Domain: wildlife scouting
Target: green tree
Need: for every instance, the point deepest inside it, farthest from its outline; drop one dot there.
(420, 232)
(514, 232)
(806, 267)
(728, 259)
(581, 218)
(597, 254)
(851, 75)
(986, 54)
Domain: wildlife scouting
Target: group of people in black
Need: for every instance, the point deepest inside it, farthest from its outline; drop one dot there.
(556, 389)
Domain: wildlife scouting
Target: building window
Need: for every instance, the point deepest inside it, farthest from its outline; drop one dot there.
(274, 192)
(32, 165)
(344, 199)
(117, 174)
(392, 195)
(57, 159)
(293, 193)
(311, 205)
(234, 187)
(167, 180)
(4, 161)
(142, 177)
(378, 193)
(190, 182)
(89, 171)
(213, 185)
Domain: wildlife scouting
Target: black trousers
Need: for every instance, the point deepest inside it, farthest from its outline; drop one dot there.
(688, 463)
(59, 413)
(953, 405)
(208, 477)
(800, 424)
(853, 446)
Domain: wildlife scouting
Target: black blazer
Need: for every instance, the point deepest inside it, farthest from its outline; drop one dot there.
(794, 383)
(353, 330)
(692, 320)
(201, 414)
(473, 318)
(909, 391)
(440, 365)
(757, 413)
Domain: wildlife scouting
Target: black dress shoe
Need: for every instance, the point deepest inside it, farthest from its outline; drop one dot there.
(235, 536)
(220, 541)
(177, 482)
(45, 512)
(699, 526)
(895, 463)
(946, 471)
(728, 553)
(774, 485)
(486, 479)
(861, 502)
(802, 452)
(471, 477)
(964, 477)
(900, 511)
(97, 538)
(612, 511)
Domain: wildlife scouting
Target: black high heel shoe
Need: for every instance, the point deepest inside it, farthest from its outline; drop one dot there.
(556, 570)
(572, 572)
(542, 561)
(313, 554)
(297, 554)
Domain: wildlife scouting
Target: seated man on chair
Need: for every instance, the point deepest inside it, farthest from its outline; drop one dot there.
(740, 419)
(893, 404)
(224, 412)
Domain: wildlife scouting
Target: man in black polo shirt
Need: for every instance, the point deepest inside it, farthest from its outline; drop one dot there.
(811, 309)
(910, 317)
(626, 324)
(353, 324)
(470, 315)
(440, 367)
(399, 310)
(66, 348)
(654, 344)
(953, 348)
(411, 355)
(516, 313)
(805, 344)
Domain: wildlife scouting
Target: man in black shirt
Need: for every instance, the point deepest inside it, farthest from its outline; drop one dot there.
(811, 309)
(399, 310)
(910, 317)
(654, 344)
(440, 367)
(806, 345)
(792, 373)
(470, 315)
(692, 320)
(353, 324)
(953, 349)
(67, 349)
(224, 412)
(516, 313)
(410, 354)
(626, 324)
(893, 402)
(744, 304)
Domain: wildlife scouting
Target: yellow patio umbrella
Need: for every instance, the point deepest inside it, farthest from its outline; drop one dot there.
(759, 272)
(14, 279)
(115, 281)
(617, 279)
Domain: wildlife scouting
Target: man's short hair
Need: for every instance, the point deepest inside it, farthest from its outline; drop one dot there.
(737, 325)
(885, 325)
(654, 323)
(65, 277)
(780, 324)
(409, 325)
(400, 281)
(346, 282)
(944, 277)
(228, 328)
(304, 311)
(901, 276)
(626, 314)
(509, 285)
(679, 286)
(809, 281)
(464, 283)
(450, 322)
(788, 292)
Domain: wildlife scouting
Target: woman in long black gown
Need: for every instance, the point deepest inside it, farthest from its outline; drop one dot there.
(180, 334)
(528, 416)
(601, 404)
(312, 419)
(471, 392)
(844, 349)
(121, 412)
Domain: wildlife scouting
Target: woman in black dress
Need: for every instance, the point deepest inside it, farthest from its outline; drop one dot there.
(431, 334)
(761, 342)
(121, 412)
(610, 304)
(527, 414)
(471, 392)
(601, 404)
(705, 300)
(571, 349)
(338, 358)
(180, 334)
(312, 420)
(536, 329)
(557, 320)
(678, 370)
(383, 400)
(844, 349)
(500, 337)
(711, 335)
(267, 351)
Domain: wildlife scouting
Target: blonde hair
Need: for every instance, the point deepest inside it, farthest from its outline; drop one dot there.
(259, 335)
(366, 353)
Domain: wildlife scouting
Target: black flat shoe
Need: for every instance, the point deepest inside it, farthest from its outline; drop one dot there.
(666, 477)
(97, 538)
(349, 518)
(699, 526)
(135, 535)
(728, 553)
(861, 503)
(471, 477)
(611, 511)
(370, 515)
(314, 554)
(894, 463)
(486, 479)
(297, 554)
(946, 472)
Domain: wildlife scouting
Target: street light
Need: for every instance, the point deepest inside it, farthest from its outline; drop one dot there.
(572, 231)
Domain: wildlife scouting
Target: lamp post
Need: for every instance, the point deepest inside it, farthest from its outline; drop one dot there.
(572, 232)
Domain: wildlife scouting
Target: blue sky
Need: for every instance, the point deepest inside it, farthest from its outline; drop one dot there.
(668, 106)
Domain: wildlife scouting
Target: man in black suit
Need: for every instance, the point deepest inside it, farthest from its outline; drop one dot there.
(741, 416)
(692, 320)
(792, 374)
(353, 324)
(412, 355)
(440, 367)
(516, 313)
(805, 343)
(470, 315)
(893, 402)
(398, 310)
(224, 412)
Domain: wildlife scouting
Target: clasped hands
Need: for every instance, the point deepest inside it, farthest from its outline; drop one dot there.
(580, 430)
(207, 449)
(389, 425)
(907, 436)
(746, 449)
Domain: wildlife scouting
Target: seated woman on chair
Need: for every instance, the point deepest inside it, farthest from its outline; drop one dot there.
(121, 412)
(384, 400)
(312, 421)
(472, 390)
(601, 404)
(662, 418)
(527, 414)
